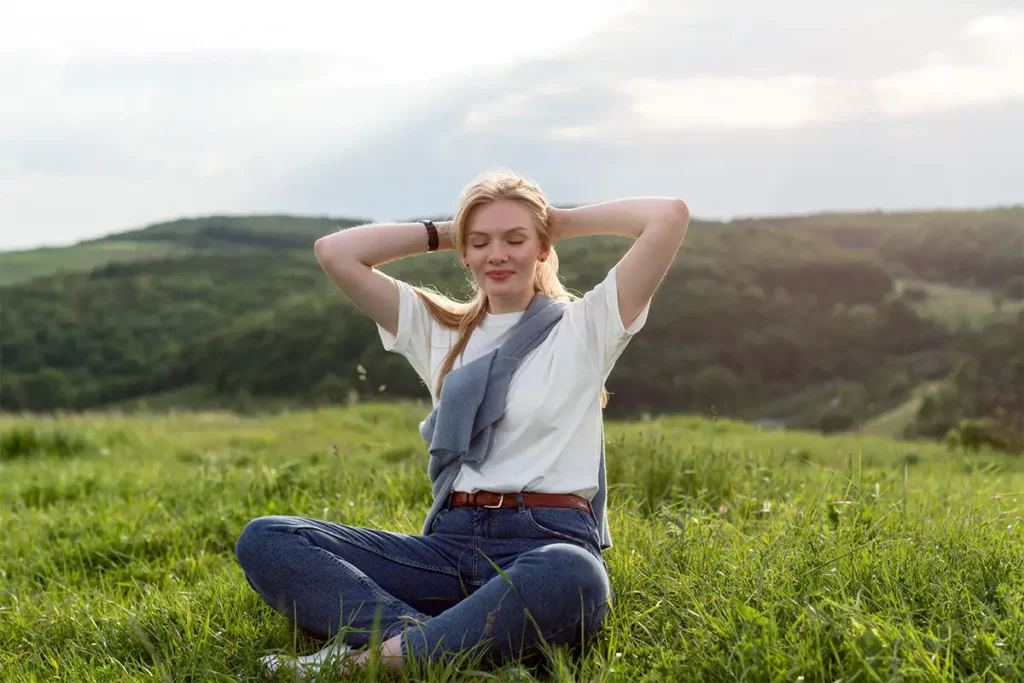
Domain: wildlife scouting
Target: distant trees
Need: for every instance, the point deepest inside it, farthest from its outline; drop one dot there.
(983, 398)
(752, 313)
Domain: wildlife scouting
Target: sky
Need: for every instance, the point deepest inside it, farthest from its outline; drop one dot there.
(117, 114)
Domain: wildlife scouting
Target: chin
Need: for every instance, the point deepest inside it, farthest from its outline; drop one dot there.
(506, 288)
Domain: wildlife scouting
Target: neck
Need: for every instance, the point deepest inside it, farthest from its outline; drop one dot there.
(509, 304)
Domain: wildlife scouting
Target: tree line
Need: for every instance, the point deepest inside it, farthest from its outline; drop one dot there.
(776, 320)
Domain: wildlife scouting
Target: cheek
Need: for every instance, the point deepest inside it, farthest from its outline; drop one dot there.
(526, 254)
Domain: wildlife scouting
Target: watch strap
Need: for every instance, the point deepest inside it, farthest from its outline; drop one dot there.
(433, 241)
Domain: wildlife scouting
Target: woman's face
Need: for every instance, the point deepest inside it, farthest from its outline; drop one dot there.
(502, 248)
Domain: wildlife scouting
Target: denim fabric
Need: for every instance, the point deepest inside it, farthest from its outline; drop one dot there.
(442, 590)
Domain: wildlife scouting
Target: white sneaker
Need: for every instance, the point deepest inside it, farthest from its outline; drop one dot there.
(309, 665)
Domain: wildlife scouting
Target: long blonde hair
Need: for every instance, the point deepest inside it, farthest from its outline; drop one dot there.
(465, 316)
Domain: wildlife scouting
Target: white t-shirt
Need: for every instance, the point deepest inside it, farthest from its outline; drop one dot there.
(549, 439)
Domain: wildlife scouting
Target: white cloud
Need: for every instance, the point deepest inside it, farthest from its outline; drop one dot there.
(124, 113)
(947, 86)
(575, 132)
(986, 70)
(230, 95)
(380, 42)
(1001, 26)
(506, 107)
(740, 102)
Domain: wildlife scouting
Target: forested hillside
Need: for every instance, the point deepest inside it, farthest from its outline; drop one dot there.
(194, 236)
(820, 321)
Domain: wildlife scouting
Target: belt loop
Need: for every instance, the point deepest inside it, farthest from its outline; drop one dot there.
(519, 499)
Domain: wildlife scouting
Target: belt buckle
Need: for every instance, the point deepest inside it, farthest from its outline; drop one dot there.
(495, 507)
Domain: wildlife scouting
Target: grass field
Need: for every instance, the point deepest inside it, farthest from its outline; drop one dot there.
(739, 555)
(18, 266)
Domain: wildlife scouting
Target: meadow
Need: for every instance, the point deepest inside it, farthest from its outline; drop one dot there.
(740, 554)
(22, 266)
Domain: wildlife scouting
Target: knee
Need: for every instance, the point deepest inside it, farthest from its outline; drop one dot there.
(255, 542)
(577, 578)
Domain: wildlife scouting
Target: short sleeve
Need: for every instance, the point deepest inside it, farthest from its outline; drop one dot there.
(416, 328)
(597, 317)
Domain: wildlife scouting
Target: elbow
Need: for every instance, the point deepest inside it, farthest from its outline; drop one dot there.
(336, 253)
(681, 212)
(324, 248)
(320, 247)
(679, 215)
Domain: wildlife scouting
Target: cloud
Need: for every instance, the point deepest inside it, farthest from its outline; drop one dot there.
(978, 62)
(986, 67)
(590, 126)
(378, 44)
(342, 110)
(168, 110)
(738, 102)
(230, 96)
(953, 159)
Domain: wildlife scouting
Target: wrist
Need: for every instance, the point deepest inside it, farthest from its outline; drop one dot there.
(444, 234)
(556, 224)
(562, 224)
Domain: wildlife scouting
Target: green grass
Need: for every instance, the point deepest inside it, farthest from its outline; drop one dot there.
(19, 266)
(739, 556)
(196, 397)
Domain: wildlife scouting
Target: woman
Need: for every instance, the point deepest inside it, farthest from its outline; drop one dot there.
(516, 435)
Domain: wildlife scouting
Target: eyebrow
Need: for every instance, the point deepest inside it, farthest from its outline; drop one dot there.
(515, 229)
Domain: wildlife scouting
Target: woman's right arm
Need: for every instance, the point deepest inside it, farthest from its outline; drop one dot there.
(350, 258)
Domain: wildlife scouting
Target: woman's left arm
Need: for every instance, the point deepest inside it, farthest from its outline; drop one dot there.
(657, 223)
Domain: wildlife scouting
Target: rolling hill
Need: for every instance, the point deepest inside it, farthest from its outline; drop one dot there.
(184, 237)
(813, 321)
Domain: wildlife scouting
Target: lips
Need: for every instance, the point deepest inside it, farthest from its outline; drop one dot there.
(499, 274)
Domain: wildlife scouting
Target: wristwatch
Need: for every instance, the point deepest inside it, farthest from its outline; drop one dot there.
(433, 242)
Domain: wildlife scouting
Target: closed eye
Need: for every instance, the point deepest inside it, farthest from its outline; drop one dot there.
(484, 244)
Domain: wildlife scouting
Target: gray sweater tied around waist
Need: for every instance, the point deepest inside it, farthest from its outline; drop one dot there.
(460, 428)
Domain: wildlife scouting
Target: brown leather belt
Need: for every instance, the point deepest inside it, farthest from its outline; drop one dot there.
(489, 499)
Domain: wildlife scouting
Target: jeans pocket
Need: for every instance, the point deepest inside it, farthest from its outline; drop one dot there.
(567, 524)
(438, 518)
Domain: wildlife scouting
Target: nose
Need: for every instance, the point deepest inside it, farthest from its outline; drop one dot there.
(496, 254)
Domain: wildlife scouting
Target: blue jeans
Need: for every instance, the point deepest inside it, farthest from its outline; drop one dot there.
(442, 591)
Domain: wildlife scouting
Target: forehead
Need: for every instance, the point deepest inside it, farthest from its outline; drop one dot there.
(500, 216)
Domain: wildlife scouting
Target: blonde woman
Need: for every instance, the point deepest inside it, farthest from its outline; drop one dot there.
(515, 437)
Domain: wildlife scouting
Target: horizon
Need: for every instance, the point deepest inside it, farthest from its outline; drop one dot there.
(694, 219)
